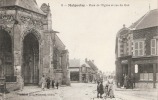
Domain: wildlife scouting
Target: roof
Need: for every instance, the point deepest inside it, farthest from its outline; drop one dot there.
(82, 62)
(26, 4)
(92, 65)
(150, 19)
(77, 63)
(74, 63)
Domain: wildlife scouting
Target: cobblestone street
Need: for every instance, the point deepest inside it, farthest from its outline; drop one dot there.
(78, 91)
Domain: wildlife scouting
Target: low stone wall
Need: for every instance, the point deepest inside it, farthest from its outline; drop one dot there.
(12, 86)
(144, 85)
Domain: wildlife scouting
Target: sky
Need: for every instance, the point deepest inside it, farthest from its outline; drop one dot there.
(90, 31)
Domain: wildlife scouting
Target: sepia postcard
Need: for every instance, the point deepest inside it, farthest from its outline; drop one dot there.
(78, 50)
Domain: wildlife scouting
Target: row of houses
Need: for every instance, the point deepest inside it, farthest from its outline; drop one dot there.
(29, 48)
(84, 71)
(137, 51)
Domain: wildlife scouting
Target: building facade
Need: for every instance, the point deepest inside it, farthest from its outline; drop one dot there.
(82, 71)
(137, 52)
(74, 69)
(27, 43)
(95, 76)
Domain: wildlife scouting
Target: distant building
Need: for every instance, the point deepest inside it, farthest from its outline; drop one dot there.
(137, 51)
(94, 71)
(74, 68)
(82, 71)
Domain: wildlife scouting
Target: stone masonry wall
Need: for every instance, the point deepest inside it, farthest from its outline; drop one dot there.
(148, 34)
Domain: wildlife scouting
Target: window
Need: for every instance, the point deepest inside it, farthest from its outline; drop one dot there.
(157, 76)
(146, 72)
(139, 48)
(157, 46)
(125, 48)
(146, 76)
(153, 46)
(136, 49)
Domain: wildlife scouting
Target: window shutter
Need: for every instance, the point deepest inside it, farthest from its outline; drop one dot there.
(153, 46)
(157, 47)
(136, 49)
(136, 45)
(141, 48)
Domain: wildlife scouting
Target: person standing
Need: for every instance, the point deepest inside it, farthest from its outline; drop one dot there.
(128, 82)
(43, 82)
(125, 81)
(98, 90)
(106, 89)
(132, 81)
(53, 83)
(110, 87)
(57, 84)
(48, 83)
(101, 90)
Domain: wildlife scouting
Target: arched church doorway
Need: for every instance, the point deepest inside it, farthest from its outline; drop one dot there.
(30, 68)
(6, 55)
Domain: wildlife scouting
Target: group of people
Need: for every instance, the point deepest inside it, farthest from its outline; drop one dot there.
(128, 82)
(46, 82)
(106, 89)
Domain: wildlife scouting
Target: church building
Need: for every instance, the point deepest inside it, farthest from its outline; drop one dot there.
(29, 48)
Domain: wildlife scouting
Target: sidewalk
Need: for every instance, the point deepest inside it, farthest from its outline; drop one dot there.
(147, 94)
(33, 92)
(28, 90)
(124, 89)
(137, 89)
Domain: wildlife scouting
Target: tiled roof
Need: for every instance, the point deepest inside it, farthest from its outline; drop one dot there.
(150, 19)
(26, 4)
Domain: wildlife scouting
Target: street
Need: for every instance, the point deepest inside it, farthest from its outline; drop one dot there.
(77, 91)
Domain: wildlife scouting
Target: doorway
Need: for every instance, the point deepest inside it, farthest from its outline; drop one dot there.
(125, 69)
(6, 57)
(30, 68)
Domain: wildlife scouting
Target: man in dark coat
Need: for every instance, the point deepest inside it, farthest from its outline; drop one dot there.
(98, 89)
(101, 89)
(57, 84)
(53, 83)
(48, 83)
